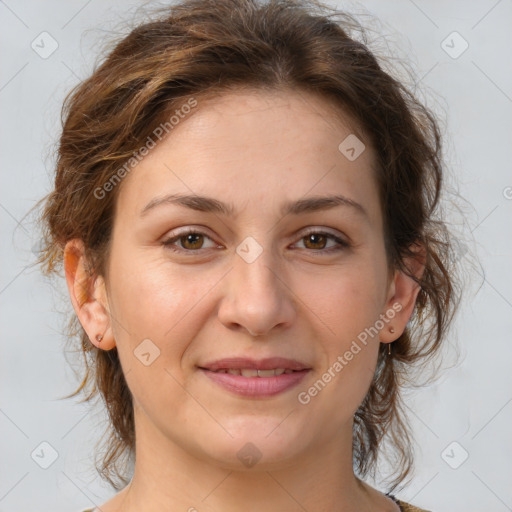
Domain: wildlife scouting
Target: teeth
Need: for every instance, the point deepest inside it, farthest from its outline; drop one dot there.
(251, 372)
(266, 373)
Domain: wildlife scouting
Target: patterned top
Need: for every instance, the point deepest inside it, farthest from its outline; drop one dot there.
(404, 507)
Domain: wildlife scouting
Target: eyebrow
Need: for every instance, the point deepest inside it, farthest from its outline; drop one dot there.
(211, 205)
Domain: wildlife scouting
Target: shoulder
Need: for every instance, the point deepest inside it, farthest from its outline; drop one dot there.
(407, 507)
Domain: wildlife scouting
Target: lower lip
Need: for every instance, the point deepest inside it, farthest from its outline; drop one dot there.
(256, 386)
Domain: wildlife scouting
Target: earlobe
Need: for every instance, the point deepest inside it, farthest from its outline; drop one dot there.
(403, 294)
(88, 296)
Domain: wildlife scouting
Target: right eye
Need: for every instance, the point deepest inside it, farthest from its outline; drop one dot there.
(191, 240)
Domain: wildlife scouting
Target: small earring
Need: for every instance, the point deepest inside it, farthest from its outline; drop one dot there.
(99, 337)
(389, 344)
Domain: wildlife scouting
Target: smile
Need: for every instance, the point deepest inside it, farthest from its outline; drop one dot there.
(251, 372)
(252, 383)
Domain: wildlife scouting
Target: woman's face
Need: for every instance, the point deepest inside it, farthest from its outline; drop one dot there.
(258, 282)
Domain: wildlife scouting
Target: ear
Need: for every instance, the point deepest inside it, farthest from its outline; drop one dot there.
(88, 295)
(402, 294)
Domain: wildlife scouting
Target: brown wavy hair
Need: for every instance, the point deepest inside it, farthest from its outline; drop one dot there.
(204, 48)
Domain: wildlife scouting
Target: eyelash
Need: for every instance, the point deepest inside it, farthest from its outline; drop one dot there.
(342, 244)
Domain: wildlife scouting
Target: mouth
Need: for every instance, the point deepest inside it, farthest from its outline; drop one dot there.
(245, 364)
(251, 372)
(253, 378)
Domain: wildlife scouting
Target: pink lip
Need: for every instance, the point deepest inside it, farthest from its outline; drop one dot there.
(256, 386)
(263, 364)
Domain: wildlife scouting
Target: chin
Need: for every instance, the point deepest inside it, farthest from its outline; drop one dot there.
(260, 443)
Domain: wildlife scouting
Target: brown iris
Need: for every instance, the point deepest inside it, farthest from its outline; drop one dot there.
(193, 239)
(315, 237)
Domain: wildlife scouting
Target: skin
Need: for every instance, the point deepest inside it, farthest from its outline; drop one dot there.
(209, 304)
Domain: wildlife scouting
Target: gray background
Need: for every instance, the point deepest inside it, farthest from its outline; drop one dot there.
(470, 404)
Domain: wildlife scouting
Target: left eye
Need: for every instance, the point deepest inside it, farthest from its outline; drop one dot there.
(192, 241)
(320, 237)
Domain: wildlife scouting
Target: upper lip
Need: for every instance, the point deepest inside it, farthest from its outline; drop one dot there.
(240, 363)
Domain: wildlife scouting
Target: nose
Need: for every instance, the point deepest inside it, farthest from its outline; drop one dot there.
(257, 298)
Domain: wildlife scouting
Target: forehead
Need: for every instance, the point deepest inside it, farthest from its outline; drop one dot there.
(255, 147)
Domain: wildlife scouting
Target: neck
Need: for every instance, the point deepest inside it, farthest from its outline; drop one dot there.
(168, 477)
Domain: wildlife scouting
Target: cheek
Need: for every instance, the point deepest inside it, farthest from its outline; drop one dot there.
(348, 300)
(350, 309)
(155, 300)
(157, 311)
(173, 306)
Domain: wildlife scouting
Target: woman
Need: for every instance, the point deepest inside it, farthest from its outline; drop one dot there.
(245, 206)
